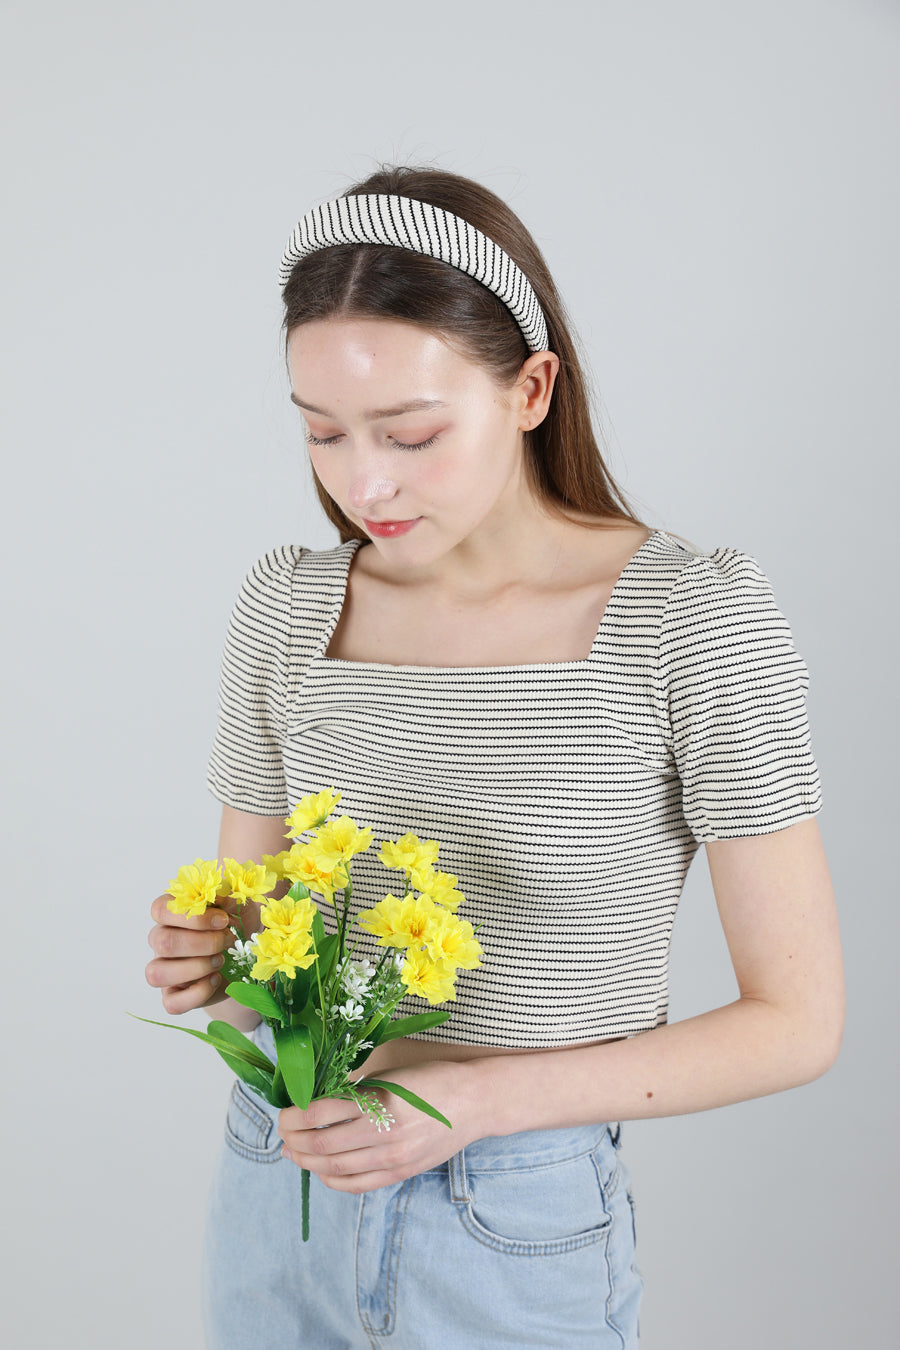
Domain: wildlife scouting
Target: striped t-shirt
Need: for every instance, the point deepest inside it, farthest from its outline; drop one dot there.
(568, 797)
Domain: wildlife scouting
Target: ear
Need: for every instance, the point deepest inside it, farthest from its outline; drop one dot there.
(534, 388)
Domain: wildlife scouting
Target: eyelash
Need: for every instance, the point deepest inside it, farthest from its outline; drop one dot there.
(330, 440)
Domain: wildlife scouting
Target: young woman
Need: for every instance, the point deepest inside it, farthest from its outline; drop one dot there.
(500, 656)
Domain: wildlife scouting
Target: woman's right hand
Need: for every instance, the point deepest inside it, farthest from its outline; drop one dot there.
(188, 956)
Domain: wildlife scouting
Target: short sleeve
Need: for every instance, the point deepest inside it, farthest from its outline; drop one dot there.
(245, 768)
(735, 690)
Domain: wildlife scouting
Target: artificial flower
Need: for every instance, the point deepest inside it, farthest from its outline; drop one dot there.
(453, 940)
(274, 862)
(288, 916)
(312, 811)
(408, 852)
(274, 952)
(338, 842)
(298, 864)
(438, 886)
(432, 980)
(195, 887)
(246, 881)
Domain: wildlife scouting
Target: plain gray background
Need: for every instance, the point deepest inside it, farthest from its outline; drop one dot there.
(715, 186)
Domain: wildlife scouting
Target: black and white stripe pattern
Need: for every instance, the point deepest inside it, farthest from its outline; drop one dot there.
(407, 223)
(568, 797)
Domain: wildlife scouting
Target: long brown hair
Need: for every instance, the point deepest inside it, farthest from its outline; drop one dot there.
(564, 463)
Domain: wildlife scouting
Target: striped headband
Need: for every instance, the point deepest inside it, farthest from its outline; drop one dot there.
(405, 222)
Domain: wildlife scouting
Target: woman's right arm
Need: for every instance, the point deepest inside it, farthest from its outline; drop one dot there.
(188, 950)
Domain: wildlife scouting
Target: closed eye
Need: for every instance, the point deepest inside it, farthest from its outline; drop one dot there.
(401, 445)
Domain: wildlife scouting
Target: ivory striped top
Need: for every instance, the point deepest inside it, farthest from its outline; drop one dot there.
(569, 797)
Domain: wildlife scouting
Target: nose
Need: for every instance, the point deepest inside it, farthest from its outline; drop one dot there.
(367, 486)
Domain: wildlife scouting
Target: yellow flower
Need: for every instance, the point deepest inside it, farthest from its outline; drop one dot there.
(400, 923)
(385, 921)
(195, 887)
(299, 865)
(276, 952)
(274, 862)
(288, 916)
(438, 886)
(338, 842)
(247, 881)
(312, 811)
(409, 852)
(453, 940)
(433, 980)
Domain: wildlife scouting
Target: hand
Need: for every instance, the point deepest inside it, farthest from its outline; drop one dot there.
(188, 955)
(352, 1155)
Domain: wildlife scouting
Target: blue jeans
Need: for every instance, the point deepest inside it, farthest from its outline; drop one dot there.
(519, 1242)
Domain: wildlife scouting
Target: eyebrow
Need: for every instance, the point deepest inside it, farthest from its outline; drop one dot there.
(377, 414)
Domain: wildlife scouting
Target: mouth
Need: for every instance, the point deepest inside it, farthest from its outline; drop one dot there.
(390, 529)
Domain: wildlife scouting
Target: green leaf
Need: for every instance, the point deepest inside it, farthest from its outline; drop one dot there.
(326, 948)
(308, 1016)
(241, 1044)
(263, 1083)
(318, 930)
(300, 985)
(407, 1096)
(296, 1062)
(405, 1026)
(252, 1055)
(255, 996)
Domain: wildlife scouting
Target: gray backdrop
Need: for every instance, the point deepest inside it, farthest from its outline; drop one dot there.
(715, 186)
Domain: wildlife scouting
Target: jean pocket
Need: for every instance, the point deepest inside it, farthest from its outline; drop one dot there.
(249, 1128)
(542, 1210)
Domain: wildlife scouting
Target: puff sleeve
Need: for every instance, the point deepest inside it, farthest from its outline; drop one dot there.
(735, 691)
(245, 765)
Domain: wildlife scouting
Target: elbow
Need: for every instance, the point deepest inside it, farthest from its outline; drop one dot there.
(821, 1043)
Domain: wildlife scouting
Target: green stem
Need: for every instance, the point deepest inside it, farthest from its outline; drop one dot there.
(304, 1204)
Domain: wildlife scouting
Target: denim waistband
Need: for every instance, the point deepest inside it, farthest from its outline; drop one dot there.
(533, 1148)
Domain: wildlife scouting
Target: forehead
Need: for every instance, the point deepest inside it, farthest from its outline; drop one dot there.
(359, 358)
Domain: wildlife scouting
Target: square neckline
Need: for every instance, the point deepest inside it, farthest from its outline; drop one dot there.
(382, 666)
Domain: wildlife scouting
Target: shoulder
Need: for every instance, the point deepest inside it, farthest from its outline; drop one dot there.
(720, 612)
(274, 576)
(713, 583)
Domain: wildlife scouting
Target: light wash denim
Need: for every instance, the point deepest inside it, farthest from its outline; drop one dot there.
(524, 1242)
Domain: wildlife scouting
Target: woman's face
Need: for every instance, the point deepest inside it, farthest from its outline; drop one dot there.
(415, 444)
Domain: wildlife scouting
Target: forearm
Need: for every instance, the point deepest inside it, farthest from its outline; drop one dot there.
(746, 1049)
(245, 1019)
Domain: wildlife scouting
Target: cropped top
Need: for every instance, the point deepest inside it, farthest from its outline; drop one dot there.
(568, 797)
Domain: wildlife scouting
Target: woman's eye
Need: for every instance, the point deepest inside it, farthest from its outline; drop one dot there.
(421, 445)
(401, 445)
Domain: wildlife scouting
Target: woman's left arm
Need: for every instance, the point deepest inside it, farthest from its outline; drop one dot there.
(777, 909)
(776, 904)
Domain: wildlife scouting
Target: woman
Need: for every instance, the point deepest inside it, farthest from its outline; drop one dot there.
(501, 656)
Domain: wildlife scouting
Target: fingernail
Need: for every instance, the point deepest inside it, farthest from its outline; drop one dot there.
(220, 921)
(218, 962)
(215, 980)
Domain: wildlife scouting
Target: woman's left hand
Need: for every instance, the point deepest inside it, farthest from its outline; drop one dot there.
(351, 1154)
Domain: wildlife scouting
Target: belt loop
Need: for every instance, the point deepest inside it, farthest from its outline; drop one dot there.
(459, 1185)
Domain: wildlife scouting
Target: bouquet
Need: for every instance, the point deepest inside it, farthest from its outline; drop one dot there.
(327, 1008)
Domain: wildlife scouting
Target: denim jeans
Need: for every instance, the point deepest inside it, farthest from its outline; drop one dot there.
(517, 1242)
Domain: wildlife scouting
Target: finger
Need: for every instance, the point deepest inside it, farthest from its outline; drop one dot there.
(185, 999)
(325, 1111)
(364, 1170)
(175, 973)
(167, 941)
(214, 917)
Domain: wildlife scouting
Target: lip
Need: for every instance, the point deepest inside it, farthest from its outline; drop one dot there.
(390, 529)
